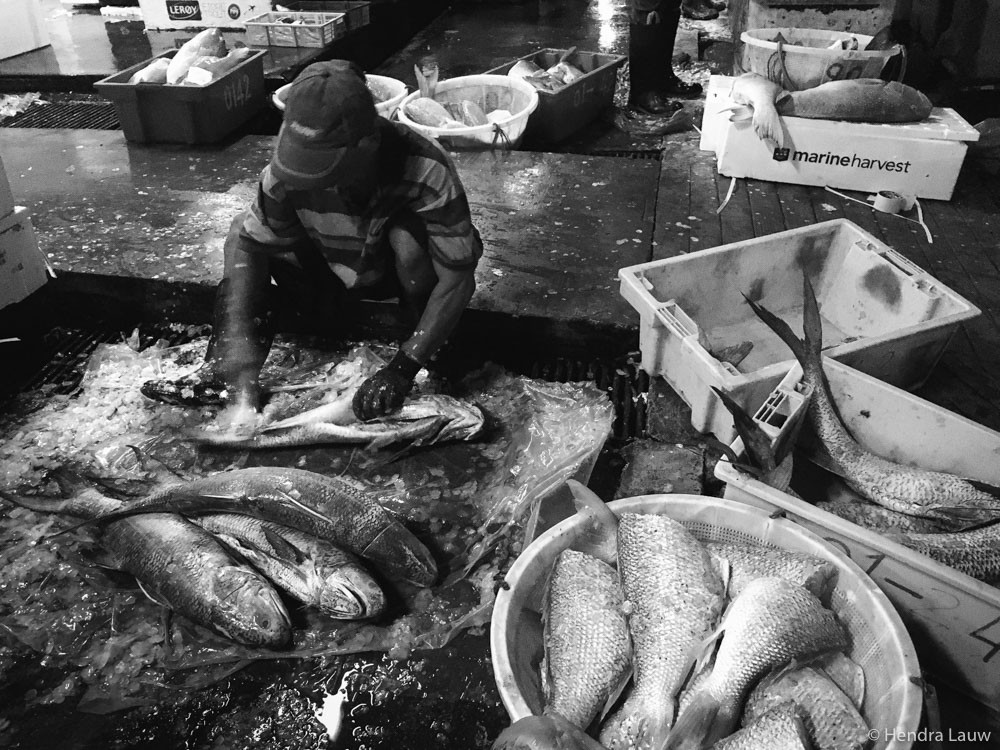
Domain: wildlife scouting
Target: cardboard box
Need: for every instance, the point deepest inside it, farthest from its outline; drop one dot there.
(954, 619)
(23, 28)
(201, 14)
(22, 265)
(6, 194)
(921, 158)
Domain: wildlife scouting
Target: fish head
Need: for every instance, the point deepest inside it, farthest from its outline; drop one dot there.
(256, 614)
(351, 594)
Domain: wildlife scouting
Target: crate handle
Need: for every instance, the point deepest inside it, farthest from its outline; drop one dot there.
(904, 265)
(672, 317)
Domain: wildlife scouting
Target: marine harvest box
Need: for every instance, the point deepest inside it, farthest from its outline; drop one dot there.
(200, 14)
(22, 265)
(881, 314)
(954, 619)
(920, 158)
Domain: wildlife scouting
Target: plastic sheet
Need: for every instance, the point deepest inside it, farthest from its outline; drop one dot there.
(466, 501)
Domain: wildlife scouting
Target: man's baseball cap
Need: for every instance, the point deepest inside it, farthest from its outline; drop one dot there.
(328, 111)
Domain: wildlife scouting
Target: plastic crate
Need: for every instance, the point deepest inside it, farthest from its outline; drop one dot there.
(305, 29)
(954, 619)
(881, 314)
(356, 14)
(22, 262)
(562, 113)
(879, 641)
(161, 113)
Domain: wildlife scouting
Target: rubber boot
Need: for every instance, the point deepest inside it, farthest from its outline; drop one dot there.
(644, 59)
(669, 84)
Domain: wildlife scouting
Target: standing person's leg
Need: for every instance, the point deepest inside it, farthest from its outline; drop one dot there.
(669, 83)
(645, 59)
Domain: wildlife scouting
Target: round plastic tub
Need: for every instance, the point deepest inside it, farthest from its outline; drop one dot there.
(386, 109)
(490, 92)
(808, 59)
(879, 641)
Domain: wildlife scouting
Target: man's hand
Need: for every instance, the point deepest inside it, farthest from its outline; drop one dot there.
(385, 391)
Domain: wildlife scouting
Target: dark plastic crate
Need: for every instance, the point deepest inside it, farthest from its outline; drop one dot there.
(161, 113)
(562, 113)
(358, 14)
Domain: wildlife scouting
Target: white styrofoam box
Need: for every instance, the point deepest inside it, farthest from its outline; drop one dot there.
(23, 28)
(954, 619)
(200, 14)
(22, 265)
(6, 194)
(920, 158)
(881, 314)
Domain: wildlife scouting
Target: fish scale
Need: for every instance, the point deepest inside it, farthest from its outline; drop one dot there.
(780, 728)
(771, 623)
(675, 599)
(587, 647)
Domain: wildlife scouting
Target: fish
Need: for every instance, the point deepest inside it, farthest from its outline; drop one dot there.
(876, 518)
(548, 732)
(771, 623)
(857, 100)
(183, 567)
(565, 72)
(830, 718)
(845, 672)
(900, 487)
(429, 419)
(426, 111)
(155, 72)
(587, 653)
(331, 508)
(315, 572)
(675, 597)
(750, 561)
(207, 42)
(534, 74)
(975, 553)
(780, 728)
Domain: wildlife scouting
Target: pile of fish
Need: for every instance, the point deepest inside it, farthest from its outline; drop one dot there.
(764, 102)
(198, 62)
(653, 639)
(552, 79)
(213, 549)
(921, 509)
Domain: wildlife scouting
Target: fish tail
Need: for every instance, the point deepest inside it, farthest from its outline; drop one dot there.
(638, 724)
(696, 724)
(812, 325)
(780, 327)
(757, 443)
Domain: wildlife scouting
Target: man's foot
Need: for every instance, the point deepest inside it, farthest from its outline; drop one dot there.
(196, 389)
(674, 86)
(653, 103)
(698, 10)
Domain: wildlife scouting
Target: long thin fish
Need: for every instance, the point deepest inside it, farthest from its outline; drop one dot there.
(896, 486)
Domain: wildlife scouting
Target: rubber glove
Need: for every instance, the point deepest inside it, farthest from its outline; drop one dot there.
(386, 390)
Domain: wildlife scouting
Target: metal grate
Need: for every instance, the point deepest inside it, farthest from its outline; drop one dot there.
(73, 115)
(655, 154)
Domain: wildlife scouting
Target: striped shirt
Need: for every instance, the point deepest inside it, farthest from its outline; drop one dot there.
(416, 178)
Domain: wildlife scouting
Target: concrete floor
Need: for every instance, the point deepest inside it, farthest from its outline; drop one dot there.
(139, 229)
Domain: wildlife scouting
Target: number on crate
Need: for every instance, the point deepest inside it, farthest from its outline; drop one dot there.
(237, 93)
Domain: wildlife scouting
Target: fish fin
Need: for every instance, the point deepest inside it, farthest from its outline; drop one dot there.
(966, 514)
(149, 596)
(989, 489)
(723, 568)
(38, 504)
(303, 507)
(739, 112)
(284, 548)
(549, 731)
(706, 649)
(617, 690)
(767, 126)
(601, 535)
(694, 725)
(812, 324)
(756, 442)
(780, 327)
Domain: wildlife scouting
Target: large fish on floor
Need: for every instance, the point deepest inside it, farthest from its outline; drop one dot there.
(313, 571)
(858, 100)
(770, 624)
(675, 597)
(184, 568)
(587, 655)
(423, 421)
(896, 486)
(331, 508)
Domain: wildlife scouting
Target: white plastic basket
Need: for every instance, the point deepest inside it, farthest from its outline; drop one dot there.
(953, 617)
(879, 642)
(490, 92)
(386, 109)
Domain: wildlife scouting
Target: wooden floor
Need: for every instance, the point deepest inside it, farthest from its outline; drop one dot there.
(964, 254)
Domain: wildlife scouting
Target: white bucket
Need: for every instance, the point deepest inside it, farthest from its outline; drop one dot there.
(490, 92)
(879, 642)
(386, 109)
(806, 60)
